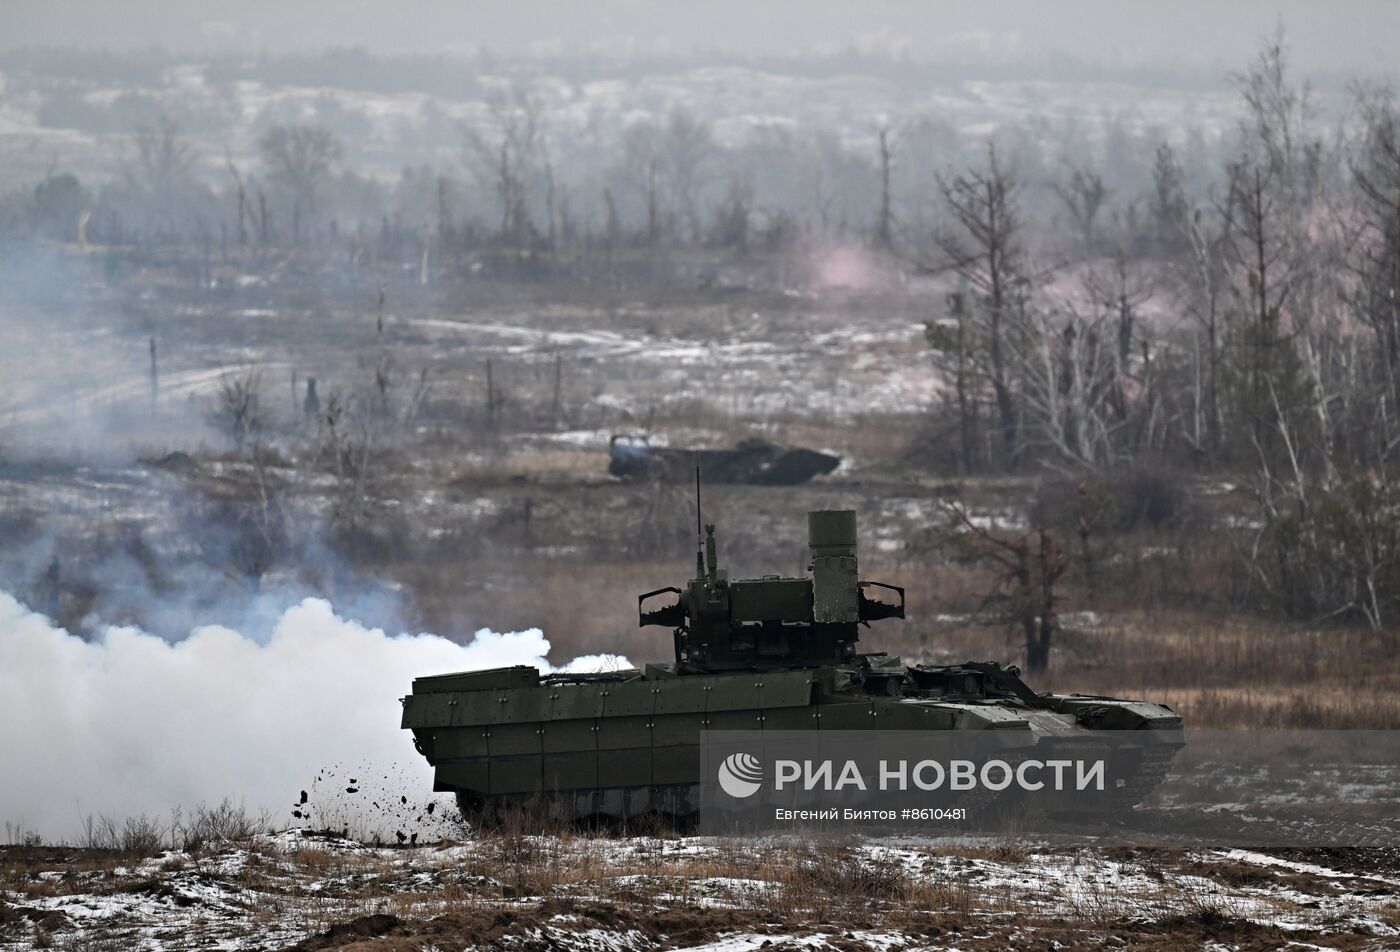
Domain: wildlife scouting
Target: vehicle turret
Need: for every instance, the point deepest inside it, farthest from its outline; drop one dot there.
(774, 622)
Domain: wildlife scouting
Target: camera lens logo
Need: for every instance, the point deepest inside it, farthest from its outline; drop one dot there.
(740, 775)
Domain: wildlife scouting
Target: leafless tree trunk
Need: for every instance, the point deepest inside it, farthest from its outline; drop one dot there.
(884, 224)
(1026, 569)
(1069, 373)
(952, 343)
(1204, 281)
(1169, 208)
(985, 250)
(299, 158)
(505, 154)
(1258, 251)
(687, 150)
(1376, 259)
(164, 161)
(967, 411)
(1120, 290)
(242, 196)
(264, 220)
(1084, 195)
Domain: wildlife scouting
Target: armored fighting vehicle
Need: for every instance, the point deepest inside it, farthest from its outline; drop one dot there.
(765, 654)
(632, 458)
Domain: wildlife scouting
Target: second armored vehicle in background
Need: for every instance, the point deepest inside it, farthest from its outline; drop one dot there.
(757, 462)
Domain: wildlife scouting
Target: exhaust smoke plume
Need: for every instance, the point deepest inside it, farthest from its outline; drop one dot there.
(132, 724)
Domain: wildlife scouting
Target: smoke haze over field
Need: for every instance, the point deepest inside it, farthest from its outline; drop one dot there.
(132, 724)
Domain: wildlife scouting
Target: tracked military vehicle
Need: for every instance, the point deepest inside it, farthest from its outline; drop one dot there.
(757, 462)
(763, 654)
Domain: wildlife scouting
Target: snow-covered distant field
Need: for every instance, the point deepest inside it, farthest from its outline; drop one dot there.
(762, 363)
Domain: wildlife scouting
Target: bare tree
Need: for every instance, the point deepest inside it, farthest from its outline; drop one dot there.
(985, 249)
(1167, 203)
(1277, 115)
(1025, 570)
(164, 161)
(345, 450)
(1119, 290)
(237, 410)
(504, 153)
(1263, 262)
(884, 221)
(952, 342)
(553, 192)
(260, 531)
(640, 170)
(822, 160)
(732, 218)
(1202, 282)
(1376, 259)
(241, 194)
(1084, 195)
(687, 149)
(299, 158)
(1069, 372)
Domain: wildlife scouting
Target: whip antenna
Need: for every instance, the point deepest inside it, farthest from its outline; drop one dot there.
(699, 533)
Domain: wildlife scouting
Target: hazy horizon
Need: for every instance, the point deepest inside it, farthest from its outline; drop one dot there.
(1351, 37)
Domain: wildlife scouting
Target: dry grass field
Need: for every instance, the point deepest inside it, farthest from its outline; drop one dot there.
(524, 890)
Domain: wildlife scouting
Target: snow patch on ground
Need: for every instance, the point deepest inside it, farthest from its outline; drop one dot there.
(282, 887)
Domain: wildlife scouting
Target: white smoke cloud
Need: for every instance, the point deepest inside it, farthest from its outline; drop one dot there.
(133, 724)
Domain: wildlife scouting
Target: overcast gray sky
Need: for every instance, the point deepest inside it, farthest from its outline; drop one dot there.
(1353, 36)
